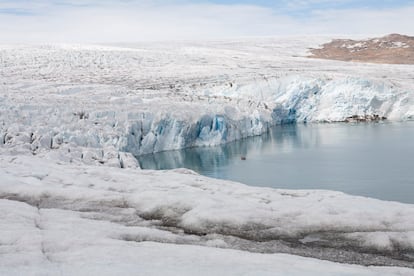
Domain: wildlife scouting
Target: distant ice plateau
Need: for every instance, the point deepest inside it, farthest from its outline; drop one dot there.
(67, 112)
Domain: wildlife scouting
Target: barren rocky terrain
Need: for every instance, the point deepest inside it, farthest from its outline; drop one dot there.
(390, 49)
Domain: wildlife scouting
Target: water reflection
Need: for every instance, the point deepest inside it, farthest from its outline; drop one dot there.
(364, 159)
(198, 159)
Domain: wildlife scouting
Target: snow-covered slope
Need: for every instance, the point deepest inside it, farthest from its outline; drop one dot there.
(154, 97)
(65, 217)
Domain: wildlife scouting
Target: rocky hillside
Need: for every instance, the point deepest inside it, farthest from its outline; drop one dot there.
(391, 49)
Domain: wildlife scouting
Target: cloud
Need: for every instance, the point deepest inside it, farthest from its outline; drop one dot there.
(108, 23)
(130, 21)
(365, 21)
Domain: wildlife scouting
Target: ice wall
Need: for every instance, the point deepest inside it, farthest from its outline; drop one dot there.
(149, 135)
(210, 115)
(287, 100)
(89, 103)
(323, 98)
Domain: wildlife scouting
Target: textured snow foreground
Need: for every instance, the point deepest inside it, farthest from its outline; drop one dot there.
(88, 219)
(68, 112)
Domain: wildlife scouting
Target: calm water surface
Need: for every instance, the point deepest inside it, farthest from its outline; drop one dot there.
(374, 160)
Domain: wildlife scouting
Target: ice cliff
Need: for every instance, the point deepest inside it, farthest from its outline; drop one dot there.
(88, 103)
(65, 110)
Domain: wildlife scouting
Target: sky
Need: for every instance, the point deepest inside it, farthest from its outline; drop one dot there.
(94, 21)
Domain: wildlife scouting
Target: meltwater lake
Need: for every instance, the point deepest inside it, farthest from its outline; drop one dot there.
(367, 159)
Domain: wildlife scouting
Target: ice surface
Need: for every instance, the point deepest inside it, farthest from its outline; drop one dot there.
(153, 97)
(65, 110)
(110, 207)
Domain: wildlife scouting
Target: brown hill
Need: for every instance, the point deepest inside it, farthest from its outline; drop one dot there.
(392, 49)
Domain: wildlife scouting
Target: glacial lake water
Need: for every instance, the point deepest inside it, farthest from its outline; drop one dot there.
(367, 159)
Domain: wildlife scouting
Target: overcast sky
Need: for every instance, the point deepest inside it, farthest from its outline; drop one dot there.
(143, 20)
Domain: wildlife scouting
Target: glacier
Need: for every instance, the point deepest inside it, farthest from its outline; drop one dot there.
(98, 100)
(73, 197)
